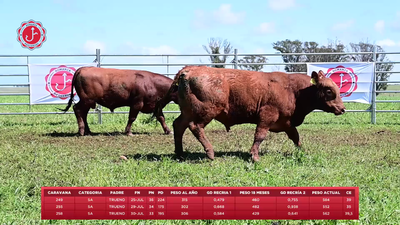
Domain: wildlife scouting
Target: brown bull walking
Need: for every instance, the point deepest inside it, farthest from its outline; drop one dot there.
(275, 101)
(113, 88)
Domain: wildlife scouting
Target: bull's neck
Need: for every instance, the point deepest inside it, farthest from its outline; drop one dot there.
(306, 102)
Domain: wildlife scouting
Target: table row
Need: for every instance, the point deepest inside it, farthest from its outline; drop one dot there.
(306, 215)
(196, 207)
(202, 200)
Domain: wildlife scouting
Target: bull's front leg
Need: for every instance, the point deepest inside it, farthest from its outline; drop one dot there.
(259, 136)
(293, 135)
(133, 112)
(161, 119)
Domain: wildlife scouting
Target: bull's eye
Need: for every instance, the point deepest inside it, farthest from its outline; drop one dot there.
(329, 94)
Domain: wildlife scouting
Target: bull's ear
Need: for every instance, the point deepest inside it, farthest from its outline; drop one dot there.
(314, 78)
(317, 77)
(321, 74)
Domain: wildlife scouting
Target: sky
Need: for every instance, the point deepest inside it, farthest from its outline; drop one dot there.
(182, 27)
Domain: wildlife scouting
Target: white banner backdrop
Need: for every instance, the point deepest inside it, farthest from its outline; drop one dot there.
(51, 84)
(353, 79)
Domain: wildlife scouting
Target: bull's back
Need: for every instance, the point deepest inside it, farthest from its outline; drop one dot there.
(97, 83)
(114, 88)
(251, 92)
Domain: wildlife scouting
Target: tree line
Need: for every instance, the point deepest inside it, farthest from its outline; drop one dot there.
(346, 54)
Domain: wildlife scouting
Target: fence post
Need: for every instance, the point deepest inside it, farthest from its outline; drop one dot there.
(235, 59)
(168, 65)
(99, 108)
(373, 106)
(29, 82)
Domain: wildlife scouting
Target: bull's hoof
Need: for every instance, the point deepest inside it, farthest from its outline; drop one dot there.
(167, 132)
(210, 155)
(129, 134)
(86, 133)
(255, 158)
(179, 157)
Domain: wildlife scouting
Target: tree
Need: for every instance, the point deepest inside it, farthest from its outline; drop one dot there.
(252, 59)
(380, 57)
(288, 46)
(215, 46)
(312, 47)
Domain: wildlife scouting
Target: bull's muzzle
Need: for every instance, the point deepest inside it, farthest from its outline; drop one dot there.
(340, 111)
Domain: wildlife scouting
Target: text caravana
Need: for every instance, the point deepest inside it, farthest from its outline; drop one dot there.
(59, 192)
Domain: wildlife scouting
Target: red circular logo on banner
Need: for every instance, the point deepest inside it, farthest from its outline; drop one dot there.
(345, 79)
(31, 34)
(59, 81)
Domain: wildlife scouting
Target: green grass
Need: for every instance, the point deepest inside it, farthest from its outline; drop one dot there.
(43, 150)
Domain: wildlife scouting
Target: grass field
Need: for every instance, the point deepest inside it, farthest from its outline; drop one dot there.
(43, 150)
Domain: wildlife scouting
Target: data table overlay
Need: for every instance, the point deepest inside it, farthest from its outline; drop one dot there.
(200, 203)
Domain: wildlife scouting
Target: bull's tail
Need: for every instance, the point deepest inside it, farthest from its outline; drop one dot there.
(71, 99)
(171, 95)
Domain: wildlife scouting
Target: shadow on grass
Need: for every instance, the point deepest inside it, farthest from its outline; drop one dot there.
(63, 134)
(190, 156)
(29, 123)
(392, 123)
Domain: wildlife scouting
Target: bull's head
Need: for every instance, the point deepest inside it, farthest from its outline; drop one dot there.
(328, 93)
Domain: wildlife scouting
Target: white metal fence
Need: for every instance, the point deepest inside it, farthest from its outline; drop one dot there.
(167, 68)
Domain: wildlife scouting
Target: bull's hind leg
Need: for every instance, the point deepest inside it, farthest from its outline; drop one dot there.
(161, 119)
(198, 131)
(293, 135)
(180, 125)
(81, 111)
(259, 136)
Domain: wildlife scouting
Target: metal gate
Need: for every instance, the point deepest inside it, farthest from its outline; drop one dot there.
(167, 67)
